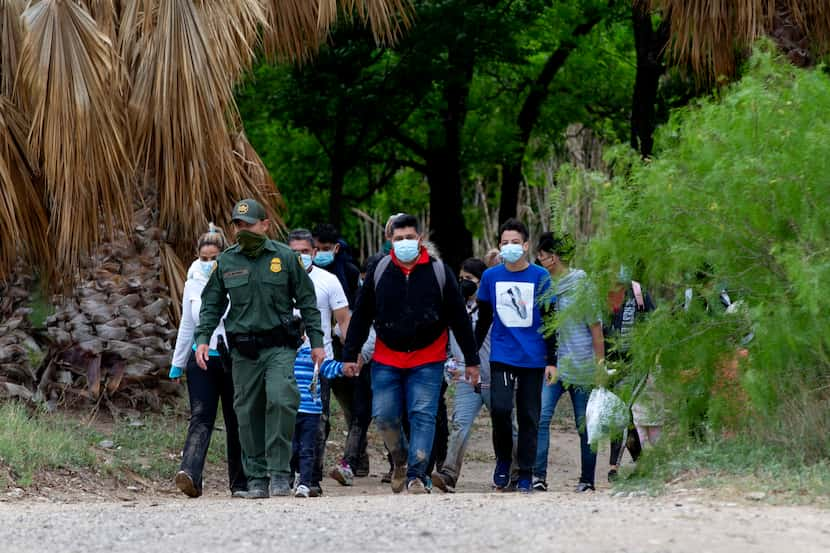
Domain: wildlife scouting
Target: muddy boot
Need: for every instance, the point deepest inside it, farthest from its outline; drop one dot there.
(186, 484)
(257, 489)
(398, 479)
(280, 486)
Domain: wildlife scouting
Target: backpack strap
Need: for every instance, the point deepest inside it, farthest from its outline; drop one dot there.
(440, 275)
(638, 294)
(380, 268)
(437, 267)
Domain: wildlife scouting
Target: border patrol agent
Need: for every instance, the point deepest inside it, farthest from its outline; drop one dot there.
(264, 281)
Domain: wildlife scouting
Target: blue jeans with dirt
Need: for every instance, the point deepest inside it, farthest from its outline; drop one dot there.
(415, 391)
(579, 398)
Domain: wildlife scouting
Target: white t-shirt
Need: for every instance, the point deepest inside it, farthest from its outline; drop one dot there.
(330, 297)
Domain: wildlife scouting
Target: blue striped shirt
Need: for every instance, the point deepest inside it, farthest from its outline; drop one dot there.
(304, 374)
(577, 305)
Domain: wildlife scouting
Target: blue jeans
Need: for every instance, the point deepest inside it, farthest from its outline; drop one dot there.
(466, 408)
(305, 448)
(417, 391)
(579, 398)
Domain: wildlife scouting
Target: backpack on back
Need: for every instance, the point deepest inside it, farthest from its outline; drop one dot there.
(437, 267)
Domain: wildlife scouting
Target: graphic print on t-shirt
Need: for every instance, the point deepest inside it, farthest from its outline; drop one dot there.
(514, 303)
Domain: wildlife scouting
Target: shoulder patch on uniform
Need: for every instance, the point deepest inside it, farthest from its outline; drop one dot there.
(276, 264)
(236, 273)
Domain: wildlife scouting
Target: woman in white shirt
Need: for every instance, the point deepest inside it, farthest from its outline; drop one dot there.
(205, 387)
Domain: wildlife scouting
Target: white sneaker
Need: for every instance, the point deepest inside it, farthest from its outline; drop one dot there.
(302, 491)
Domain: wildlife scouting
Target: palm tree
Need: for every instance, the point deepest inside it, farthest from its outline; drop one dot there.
(709, 35)
(119, 141)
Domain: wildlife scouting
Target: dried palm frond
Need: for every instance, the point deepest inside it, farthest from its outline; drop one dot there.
(173, 274)
(258, 183)
(236, 26)
(182, 107)
(296, 27)
(68, 83)
(10, 11)
(708, 34)
(23, 221)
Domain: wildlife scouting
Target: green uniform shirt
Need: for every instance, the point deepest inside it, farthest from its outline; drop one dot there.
(263, 294)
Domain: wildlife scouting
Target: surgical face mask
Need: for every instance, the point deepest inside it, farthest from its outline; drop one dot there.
(306, 259)
(206, 267)
(406, 250)
(511, 253)
(324, 259)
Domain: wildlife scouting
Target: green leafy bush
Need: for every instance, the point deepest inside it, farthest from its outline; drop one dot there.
(737, 198)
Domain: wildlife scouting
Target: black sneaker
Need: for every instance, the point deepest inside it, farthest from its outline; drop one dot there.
(316, 490)
(387, 477)
(443, 482)
(186, 484)
(540, 485)
(613, 475)
(584, 487)
(280, 487)
(362, 468)
(257, 489)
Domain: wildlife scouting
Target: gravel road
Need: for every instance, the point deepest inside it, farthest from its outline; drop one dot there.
(556, 521)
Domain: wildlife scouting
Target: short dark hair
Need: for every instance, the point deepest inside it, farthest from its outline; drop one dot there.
(474, 266)
(561, 246)
(301, 234)
(326, 233)
(405, 221)
(516, 225)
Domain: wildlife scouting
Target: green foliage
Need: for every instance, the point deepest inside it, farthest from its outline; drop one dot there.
(736, 199)
(344, 113)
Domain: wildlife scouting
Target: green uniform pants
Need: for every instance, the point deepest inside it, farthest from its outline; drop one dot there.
(266, 400)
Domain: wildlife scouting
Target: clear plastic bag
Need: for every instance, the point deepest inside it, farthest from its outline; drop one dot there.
(606, 415)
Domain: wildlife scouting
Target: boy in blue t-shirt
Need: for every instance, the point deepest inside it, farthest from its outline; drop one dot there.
(304, 446)
(514, 298)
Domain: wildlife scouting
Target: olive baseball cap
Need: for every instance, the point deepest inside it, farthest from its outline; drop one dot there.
(249, 211)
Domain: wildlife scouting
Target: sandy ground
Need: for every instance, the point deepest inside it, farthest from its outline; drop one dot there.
(368, 517)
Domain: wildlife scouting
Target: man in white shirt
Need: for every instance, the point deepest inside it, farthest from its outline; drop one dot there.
(333, 305)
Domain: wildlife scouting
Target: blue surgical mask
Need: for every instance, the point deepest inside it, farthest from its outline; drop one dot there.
(406, 250)
(511, 253)
(207, 267)
(324, 259)
(306, 259)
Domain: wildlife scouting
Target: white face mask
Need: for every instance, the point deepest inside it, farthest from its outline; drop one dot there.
(306, 259)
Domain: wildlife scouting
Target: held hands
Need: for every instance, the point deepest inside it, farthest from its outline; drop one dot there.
(472, 374)
(550, 375)
(351, 369)
(202, 353)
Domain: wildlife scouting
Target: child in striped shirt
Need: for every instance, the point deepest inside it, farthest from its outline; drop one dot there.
(308, 418)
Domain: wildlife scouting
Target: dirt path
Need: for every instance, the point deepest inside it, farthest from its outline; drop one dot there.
(368, 518)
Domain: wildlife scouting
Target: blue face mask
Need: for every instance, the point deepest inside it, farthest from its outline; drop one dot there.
(511, 253)
(306, 259)
(324, 259)
(406, 250)
(207, 267)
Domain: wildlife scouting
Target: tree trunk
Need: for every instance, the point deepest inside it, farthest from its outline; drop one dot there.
(512, 175)
(446, 209)
(650, 45)
(338, 181)
(448, 229)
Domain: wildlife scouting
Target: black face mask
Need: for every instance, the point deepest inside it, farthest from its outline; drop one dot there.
(468, 288)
